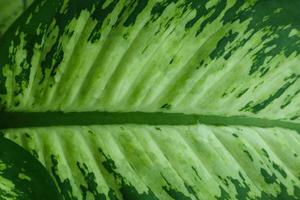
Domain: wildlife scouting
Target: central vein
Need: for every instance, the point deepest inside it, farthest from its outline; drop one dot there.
(46, 119)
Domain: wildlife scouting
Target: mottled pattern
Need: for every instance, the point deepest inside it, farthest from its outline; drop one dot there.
(22, 177)
(206, 57)
(8, 190)
(168, 162)
(229, 57)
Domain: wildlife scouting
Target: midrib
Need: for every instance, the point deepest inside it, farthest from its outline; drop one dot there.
(47, 119)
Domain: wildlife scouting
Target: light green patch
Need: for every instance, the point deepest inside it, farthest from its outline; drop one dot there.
(7, 189)
(278, 10)
(24, 177)
(210, 4)
(3, 166)
(64, 7)
(294, 32)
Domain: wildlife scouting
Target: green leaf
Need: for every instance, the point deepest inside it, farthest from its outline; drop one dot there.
(167, 162)
(220, 58)
(124, 99)
(22, 177)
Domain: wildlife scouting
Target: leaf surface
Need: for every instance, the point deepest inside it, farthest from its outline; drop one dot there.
(167, 162)
(233, 63)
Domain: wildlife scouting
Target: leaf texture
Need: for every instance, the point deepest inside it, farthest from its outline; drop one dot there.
(167, 162)
(212, 58)
(204, 57)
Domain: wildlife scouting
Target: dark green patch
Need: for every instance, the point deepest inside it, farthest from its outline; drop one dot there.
(283, 194)
(64, 185)
(100, 15)
(159, 8)
(217, 9)
(112, 195)
(269, 178)
(197, 174)
(289, 99)
(242, 93)
(221, 46)
(120, 16)
(294, 117)
(140, 6)
(224, 194)
(91, 132)
(127, 190)
(262, 105)
(166, 106)
(201, 11)
(191, 190)
(173, 193)
(297, 191)
(157, 128)
(27, 136)
(266, 154)
(235, 135)
(279, 169)
(90, 179)
(249, 155)
(241, 188)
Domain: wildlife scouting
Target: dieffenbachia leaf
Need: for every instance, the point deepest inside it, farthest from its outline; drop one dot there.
(22, 177)
(198, 61)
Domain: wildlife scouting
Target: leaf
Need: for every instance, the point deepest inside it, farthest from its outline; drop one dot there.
(151, 71)
(22, 176)
(218, 58)
(167, 162)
